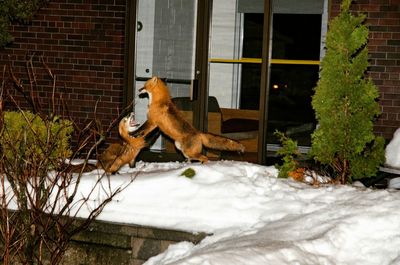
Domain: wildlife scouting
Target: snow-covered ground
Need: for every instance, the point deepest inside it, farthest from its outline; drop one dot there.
(254, 217)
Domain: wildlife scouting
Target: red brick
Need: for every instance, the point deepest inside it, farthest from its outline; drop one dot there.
(386, 48)
(80, 40)
(389, 21)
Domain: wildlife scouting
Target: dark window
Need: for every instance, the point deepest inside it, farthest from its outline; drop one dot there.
(294, 37)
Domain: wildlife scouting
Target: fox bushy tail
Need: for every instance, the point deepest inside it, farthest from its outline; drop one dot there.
(221, 143)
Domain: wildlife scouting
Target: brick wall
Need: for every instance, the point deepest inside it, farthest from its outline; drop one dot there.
(82, 41)
(383, 18)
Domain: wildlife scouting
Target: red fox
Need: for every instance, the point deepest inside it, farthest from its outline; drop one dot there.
(117, 155)
(162, 113)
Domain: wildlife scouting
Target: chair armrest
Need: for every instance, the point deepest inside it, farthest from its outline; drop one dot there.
(239, 114)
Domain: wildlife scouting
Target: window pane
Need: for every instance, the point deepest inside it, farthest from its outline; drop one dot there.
(296, 36)
(290, 111)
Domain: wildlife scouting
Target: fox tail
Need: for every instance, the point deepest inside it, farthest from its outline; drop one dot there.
(221, 143)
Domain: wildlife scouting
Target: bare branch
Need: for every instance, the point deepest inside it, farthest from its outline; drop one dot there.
(45, 188)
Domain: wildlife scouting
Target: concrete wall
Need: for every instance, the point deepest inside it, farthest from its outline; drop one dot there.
(115, 244)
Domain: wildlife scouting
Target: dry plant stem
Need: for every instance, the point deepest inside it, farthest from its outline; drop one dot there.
(341, 166)
(53, 77)
(5, 229)
(40, 227)
(345, 173)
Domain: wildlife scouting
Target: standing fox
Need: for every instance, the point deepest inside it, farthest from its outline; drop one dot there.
(162, 113)
(117, 155)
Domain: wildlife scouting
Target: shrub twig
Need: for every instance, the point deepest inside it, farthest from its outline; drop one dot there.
(40, 193)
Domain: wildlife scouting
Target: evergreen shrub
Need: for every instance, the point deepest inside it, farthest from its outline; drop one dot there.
(345, 102)
(289, 152)
(25, 135)
(20, 11)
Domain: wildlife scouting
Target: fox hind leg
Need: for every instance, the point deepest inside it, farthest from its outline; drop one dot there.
(132, 162)
(192, 156)
(199, 157)
(192, 151)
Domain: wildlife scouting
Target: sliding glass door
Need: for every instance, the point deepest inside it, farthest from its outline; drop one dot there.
(235, 72)
(298, 30)
(238, 68)
(165, 47)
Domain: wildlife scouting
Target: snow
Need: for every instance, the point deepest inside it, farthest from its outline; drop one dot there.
(253, 217)
(392, 151)
(392, 163)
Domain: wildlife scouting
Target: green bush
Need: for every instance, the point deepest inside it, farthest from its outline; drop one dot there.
(29, 137)
(345, 102)
(289, 153)
(20, 11)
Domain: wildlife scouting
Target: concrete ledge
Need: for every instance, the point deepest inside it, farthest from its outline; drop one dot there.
(109, 243)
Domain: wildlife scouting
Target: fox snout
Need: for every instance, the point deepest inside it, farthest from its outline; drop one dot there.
(132, 123)
(142, 90)
(143, 93)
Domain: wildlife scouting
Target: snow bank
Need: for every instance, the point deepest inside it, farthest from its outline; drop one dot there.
(254, 218)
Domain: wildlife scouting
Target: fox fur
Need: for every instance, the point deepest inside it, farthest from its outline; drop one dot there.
(162, 113)
(118, 155)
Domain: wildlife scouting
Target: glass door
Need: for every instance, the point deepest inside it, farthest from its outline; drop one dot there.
(236, 45)
(237, 41)
(228, 72)
(297, 41)
(165, 47)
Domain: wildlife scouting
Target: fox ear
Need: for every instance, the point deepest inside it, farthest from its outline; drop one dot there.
(154, 80)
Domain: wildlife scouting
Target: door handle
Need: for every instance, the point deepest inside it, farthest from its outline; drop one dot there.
(194, 89)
